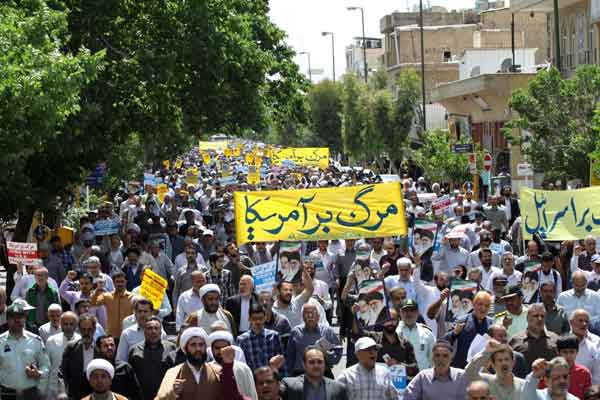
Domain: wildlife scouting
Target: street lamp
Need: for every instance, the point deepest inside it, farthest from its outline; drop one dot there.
(308, 55)
(364, 39)
(332, 50)
(421, 23)
(557, 62)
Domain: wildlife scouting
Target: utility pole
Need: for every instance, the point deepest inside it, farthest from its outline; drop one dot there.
(309, 71)
(421, 22)
(332, 51)
(557, 61)
(364, 40)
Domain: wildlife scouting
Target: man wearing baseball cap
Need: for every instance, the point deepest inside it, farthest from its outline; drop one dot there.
(368, 380)
(515, 316)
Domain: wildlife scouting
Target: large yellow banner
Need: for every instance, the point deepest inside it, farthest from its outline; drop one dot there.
(313, 214)
(560, 215)
(219, 145)
(303, 156)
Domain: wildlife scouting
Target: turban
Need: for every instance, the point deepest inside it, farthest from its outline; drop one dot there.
(190, 333)
(220, 335)
(210, 287)
(100, 363)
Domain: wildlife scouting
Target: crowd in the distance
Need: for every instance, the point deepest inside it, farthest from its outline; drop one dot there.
(469, 310)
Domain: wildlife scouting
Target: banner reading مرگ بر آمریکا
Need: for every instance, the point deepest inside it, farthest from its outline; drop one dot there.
(303, 156)
(322, 213)
(560, 215)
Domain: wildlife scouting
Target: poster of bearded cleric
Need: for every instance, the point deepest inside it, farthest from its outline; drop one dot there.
(290, 262)
(460, 302)
(372, 305)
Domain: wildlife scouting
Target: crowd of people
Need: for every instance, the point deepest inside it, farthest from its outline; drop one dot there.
(470, 310)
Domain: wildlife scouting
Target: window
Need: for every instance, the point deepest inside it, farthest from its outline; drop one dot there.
(447, 55)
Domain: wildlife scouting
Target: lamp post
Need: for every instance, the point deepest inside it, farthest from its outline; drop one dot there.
(364, 39)
(309, 72)
(332, 50)
(557, 61)
(423, 66)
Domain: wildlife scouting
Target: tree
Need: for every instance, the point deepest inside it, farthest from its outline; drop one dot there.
(439, 162)
(558, 113)
(381, 115)
(40, 95)
(403, 114)
(325, 103)
(378, 80)
(354, 120)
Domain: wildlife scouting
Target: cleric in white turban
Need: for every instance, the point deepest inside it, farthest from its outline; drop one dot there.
(212, 311)
(100, 374)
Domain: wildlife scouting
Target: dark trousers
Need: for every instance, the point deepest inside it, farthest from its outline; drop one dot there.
(11, 394)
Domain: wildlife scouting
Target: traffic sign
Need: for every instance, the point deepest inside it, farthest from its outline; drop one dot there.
(524, 170)
(462, 148)
(487, 162)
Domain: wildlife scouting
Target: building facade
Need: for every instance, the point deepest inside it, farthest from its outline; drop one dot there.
(355, 56)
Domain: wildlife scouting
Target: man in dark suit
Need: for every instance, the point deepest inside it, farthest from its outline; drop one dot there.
(240, 304)
(313, 384)
(72, 369)
(511, 203)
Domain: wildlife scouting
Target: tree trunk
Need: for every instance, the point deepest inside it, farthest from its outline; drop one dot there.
(21, 232)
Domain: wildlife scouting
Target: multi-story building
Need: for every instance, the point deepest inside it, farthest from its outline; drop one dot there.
(578, 29)
(355, 56)
(448, 34)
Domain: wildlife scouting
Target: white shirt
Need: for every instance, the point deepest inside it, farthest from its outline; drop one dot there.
(181, 261)
(188, 303)
(327, 259)
(589, 301)
(422, 340)
(196, 372)
(322, 290)
(244, 314)
(129, 338)
(485, 276)
(88, 355)
(48, 330)
(55, 346)
(513, 280)
(589, 356)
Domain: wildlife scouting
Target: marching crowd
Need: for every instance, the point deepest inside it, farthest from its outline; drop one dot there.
(77, 326)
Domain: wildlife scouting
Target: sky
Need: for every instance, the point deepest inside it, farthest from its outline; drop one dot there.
(305, 20)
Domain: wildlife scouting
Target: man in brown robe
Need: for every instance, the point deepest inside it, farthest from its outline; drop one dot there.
(195, 376)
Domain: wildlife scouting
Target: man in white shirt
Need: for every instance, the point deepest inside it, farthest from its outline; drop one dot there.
(135, 334)
(190, 301)
(321, 291)
(51, 327)
(580, 296)
(588, 354)
(487, 269)
(55, 346)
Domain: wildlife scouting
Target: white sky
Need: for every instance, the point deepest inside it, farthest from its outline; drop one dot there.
(305, 20)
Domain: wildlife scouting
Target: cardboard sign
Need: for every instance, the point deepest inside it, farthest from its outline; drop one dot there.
(441, 205)
(178, 164)
(161, 192)
(265, 277)
(153, 288)
(106, 227)
(167, 164)
(24, 253)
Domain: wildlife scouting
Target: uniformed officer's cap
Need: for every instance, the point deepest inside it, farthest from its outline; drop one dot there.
(409, 303)
(19, 306)
(511, 291)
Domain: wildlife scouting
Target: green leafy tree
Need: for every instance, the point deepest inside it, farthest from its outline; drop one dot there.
(559, 115)
(378, 80)
(325, 103)
(354, 121)
(403, 114)
(439, 162)
(381, 116)
(40, 95)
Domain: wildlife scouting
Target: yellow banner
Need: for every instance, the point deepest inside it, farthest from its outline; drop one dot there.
(237, 151)
(253, 174)
(191, 176)
(153, 287)
(167, 164)
(178, 163)
(303, 156)
(161, 192)
(227, 152)
(219, 145)
(315, 214)
(249, 158)
(206, 158)
(560, 215)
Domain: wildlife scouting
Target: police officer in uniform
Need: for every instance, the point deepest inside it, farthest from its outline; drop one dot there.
(24, 364)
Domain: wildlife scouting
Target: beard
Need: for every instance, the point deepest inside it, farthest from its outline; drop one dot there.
(196, 361)
(389, 328)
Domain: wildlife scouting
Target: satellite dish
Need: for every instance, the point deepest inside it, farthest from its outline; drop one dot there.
(476, 71)
(506, 65)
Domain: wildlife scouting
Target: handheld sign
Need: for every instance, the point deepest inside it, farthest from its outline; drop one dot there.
(153, 287)
(24, 253)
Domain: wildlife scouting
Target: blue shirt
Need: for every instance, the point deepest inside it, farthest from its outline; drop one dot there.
(464, 339)
(301, 338)
(259, 349)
